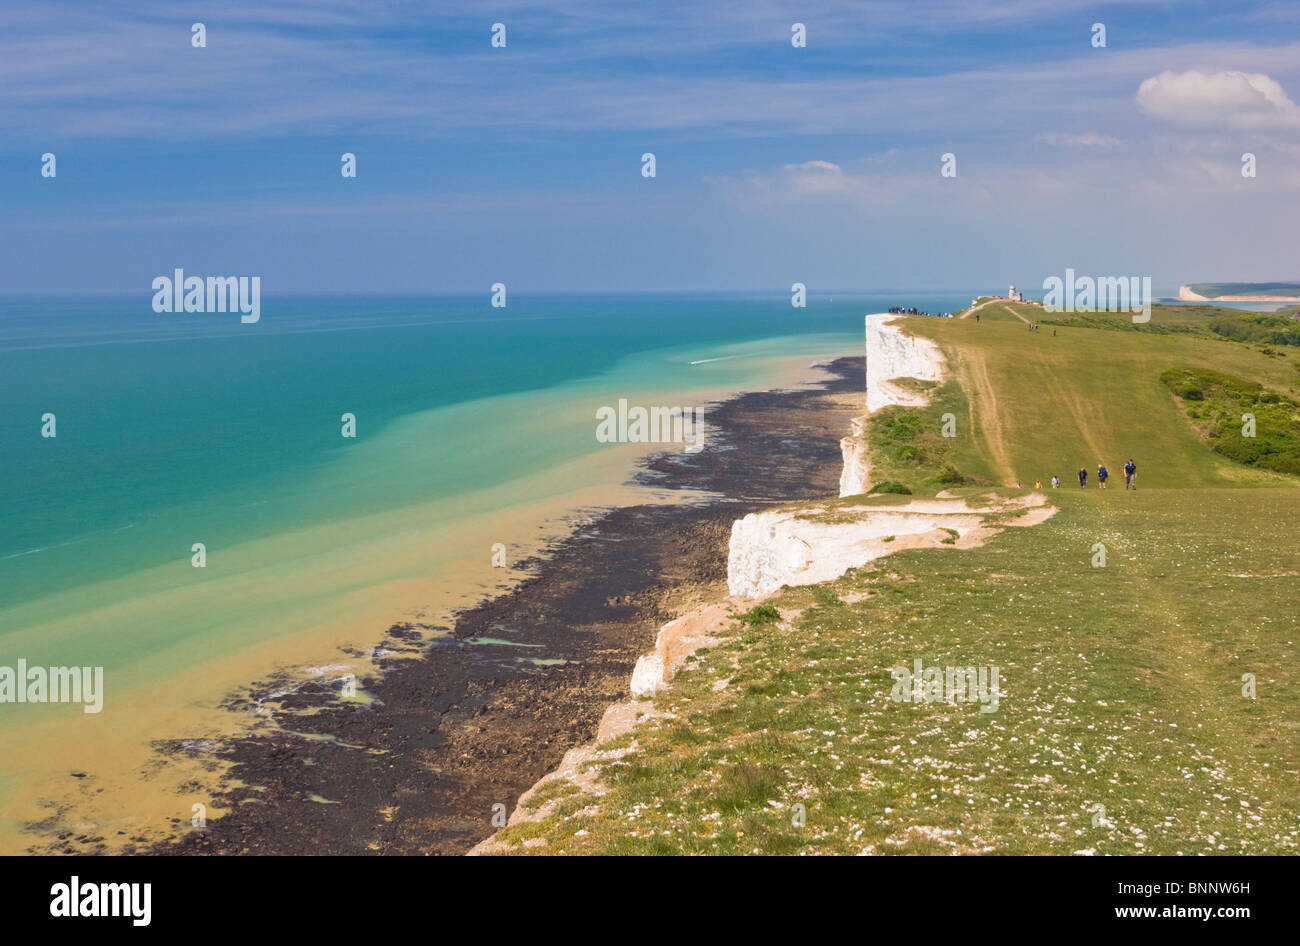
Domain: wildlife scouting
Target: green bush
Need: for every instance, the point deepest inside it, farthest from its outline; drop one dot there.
(1221, 400)
(761, 614)
(889, 486)
(1258, 327)
(901, 426)
(949, 475)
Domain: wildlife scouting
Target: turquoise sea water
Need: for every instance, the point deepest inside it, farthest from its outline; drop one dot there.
(174, 429)
(176, 426)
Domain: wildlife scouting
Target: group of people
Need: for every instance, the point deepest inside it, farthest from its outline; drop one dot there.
(1130, 476)
(903, 310)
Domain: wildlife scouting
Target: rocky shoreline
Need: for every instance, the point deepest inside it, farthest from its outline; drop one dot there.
(460, 721)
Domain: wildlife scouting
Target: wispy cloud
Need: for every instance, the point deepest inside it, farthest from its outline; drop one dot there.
(1085, 139)
(718, 71)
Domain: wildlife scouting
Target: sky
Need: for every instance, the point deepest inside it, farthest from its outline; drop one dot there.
(523, 165)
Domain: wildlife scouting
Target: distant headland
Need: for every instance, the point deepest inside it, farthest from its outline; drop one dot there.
(1240, 292)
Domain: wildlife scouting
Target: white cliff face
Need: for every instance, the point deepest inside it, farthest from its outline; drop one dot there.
(855, 477)
(677, 640)
(890, 355)
(812, 545)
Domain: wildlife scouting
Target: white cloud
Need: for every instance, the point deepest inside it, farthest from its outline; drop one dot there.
(1231, 99)
(1087, 139)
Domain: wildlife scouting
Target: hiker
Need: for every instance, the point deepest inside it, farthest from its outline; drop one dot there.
(1038, 484)
(1101, 475)
(1130, 474)
(1083, 478)
(1056, 481)
(977, 318)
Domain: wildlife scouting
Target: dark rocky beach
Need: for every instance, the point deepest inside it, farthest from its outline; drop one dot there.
(463, 719)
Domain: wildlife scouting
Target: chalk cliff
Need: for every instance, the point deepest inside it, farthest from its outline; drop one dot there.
(890, 355)
(813, 544)
(855, 477)
(810, 545)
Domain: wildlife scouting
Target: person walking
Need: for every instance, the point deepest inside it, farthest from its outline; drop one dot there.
(1101, 475)
(1130, 474)
(1056, 481)
(1083, 478)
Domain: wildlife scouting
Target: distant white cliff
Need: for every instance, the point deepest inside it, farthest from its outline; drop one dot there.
(890, 355)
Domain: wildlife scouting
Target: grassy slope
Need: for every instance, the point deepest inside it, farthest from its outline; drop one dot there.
(1121, 684)
(1043, 404)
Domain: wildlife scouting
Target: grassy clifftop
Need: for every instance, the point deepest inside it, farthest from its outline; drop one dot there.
(1039, 403)
(1146, 643)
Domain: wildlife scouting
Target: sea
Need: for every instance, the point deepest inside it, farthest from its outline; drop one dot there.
(182, 506)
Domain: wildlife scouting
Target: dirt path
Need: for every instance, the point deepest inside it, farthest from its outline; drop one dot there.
(980, 306)
(1071, 398)
(995, 299)
(974, 367)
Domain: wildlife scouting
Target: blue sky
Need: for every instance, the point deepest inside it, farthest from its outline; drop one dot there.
(522, 165)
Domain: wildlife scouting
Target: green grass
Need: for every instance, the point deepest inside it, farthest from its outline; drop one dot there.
(1120, 686)
(1038, 404)
(909, 452)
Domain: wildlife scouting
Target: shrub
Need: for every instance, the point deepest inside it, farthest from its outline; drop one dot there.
(761, 614)
(889, 486)
(1221, 402)
(901, 427)
(949, 475)
(1258, 327)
